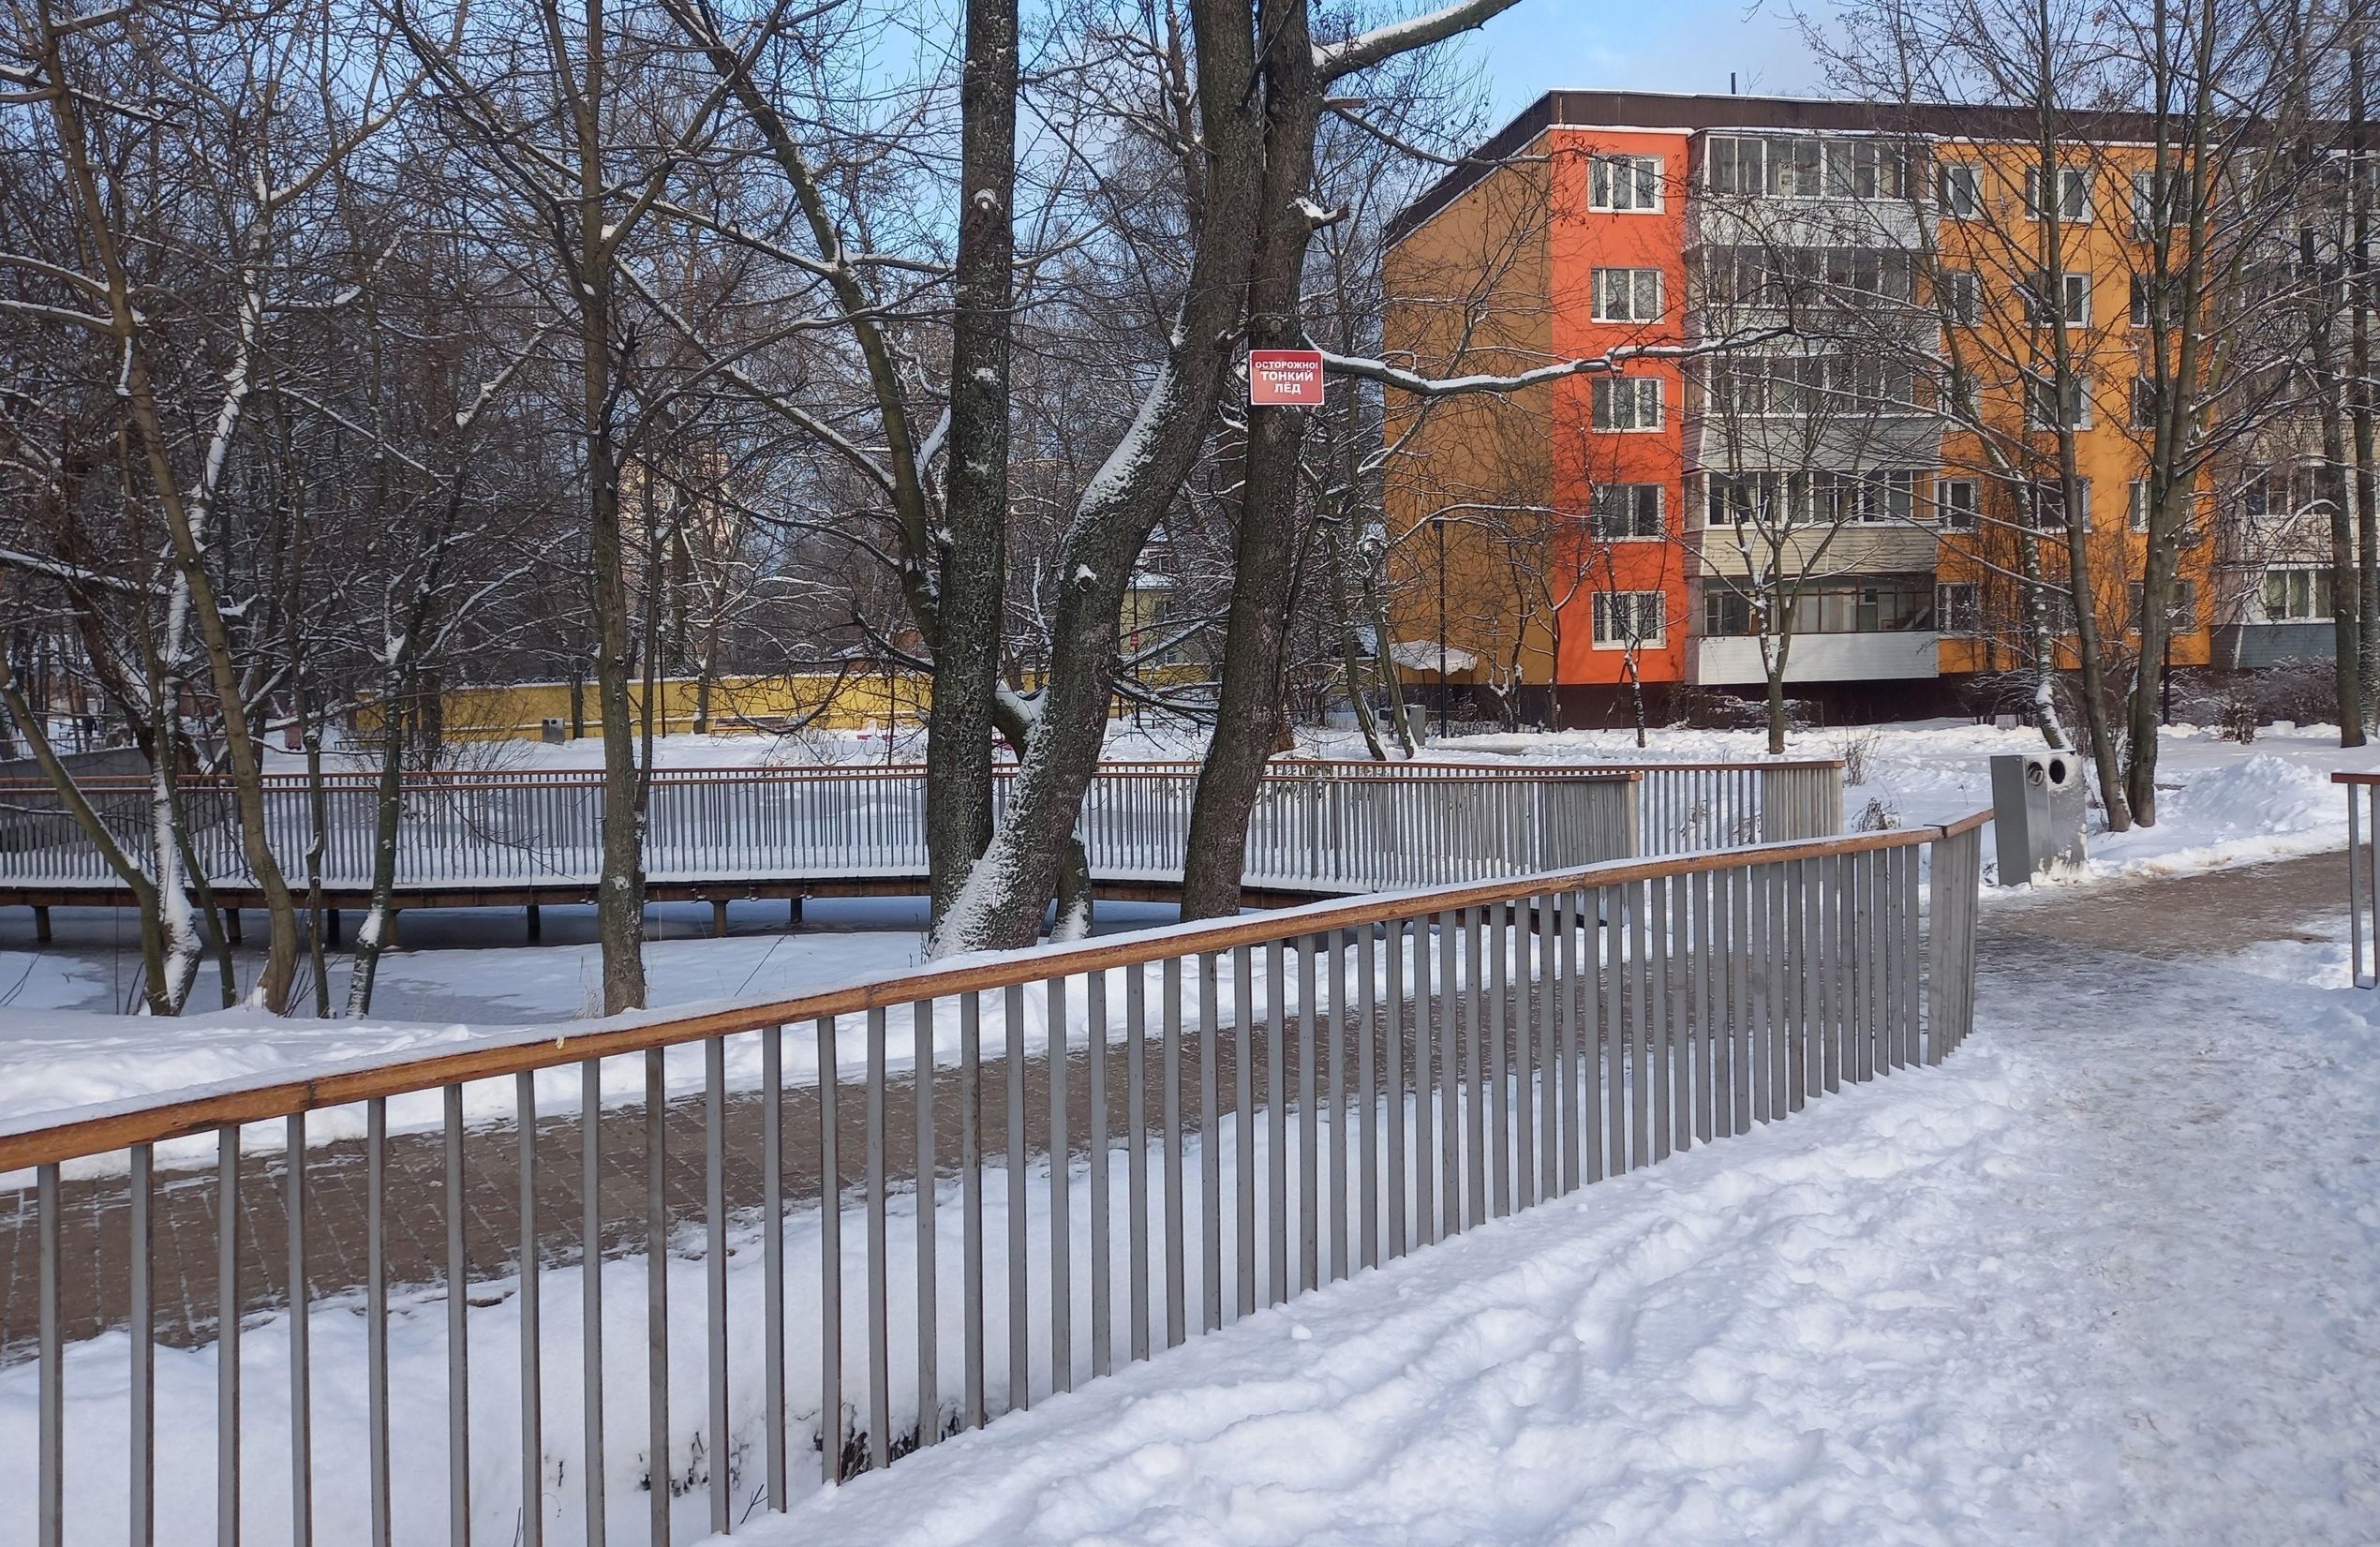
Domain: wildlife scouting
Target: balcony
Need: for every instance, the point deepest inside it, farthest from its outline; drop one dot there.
(1822, 658)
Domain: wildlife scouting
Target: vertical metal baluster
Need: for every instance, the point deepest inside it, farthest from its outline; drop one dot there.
(591, 1180)
(532, 1382)
(301, 1347)
(970, 1210)
(1720, 1032)
(715, 1278)
(1210, 1151)
(1244, 1124)
(1777, 1020)
(1617, 1034)
(1912, 963)
(1644, 1100)
(1177, 1306)
(1681, 1007)
(1135, 1061)
(1276, 1101)
(659, 1461)
(141, 1486)
(1019, 1307)
(1335, 1031)
(879, 1296)
(1501, 983)
(458, 1344)
(51, 1425)
(1450, 1040)
(830, 1266)
(1552, 1026)
(1798, 967)
(1395, 944)
(921, 1027)
(772, 1254)
(1474, 1066)
(1660, 967)
(1702, 962)
(1309, 1122)
(1061, 1298)
(1102, 1260)
(1583, 1160)
(1367, 1131)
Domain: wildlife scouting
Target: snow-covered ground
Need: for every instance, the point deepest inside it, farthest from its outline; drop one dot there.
(62, 1045)
(2109, 1276)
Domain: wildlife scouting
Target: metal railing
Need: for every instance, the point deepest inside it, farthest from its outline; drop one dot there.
(2363, 880)
(644, 1281)
(1321, 827)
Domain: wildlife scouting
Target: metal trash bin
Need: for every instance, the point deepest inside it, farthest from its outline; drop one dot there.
(2039, 801)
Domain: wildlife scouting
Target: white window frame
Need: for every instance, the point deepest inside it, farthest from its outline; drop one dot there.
(1949, 511)
(2070, 181)
(1608, 286)
(1608, 169)
(2072, 300)
(1632, 516)
(1948, 613)
(1639, 389)
(1961, 296)
(2036, 389)
(1967, 178)
(1607, 636)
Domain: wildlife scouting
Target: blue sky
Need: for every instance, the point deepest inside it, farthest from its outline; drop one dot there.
(1644, 45)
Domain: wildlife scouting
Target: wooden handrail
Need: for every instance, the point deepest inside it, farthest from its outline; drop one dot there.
(30, 1142)
(2357, 776)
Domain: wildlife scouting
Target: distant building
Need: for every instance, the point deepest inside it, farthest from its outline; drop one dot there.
(1596, 528)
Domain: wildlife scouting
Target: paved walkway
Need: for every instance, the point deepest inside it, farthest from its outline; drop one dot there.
(2173, 917)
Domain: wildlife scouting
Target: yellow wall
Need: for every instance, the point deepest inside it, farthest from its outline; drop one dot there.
(739, 704)
(2000, 249)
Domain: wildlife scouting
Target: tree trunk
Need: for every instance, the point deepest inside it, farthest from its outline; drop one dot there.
(1001, 902)
(388, 805)
(1265, 565)
(973, 561)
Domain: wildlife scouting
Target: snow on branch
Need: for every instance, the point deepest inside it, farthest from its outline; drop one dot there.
(73, 574)
(1617, 360)
(1367, 49)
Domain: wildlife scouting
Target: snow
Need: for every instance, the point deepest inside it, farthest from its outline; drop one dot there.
(2108, 1276)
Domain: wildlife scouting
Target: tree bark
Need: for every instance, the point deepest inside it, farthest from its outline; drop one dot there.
(1265, 565)
(972, 546)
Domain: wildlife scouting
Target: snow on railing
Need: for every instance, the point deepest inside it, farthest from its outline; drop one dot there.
(679, 1270)
(1320, 828)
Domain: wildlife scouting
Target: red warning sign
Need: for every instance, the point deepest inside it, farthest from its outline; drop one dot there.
(1284, 379)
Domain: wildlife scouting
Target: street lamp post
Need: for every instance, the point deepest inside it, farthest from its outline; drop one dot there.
(1437, 529)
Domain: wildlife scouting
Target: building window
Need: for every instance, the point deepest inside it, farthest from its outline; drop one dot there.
(2047, 408)
(1627, 295)
(1626, 510)
(1774, 501)
(1863, 276)
(2152, 206)
(2043, 504)
(1957, 501)
(1962, 193)
(1863, 169)
(1960, 295)
(2296, 596)
(1623, 618)
(2144, 403)
(2066, 299)
(1734, 163)
(1888, 494)
(1627, 403)
(1883, 604)
(1796, 169)
(2138, 504)
(1958, 608)
(2073, 193)
(1727, 613)
(1623, 182)
(2184, 613)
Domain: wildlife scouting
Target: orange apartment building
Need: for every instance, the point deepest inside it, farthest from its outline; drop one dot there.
(1592, 528)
